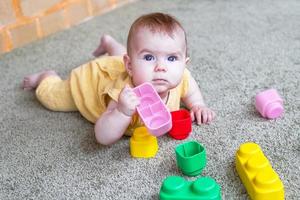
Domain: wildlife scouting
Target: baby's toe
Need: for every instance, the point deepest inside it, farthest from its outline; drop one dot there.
(26, 84)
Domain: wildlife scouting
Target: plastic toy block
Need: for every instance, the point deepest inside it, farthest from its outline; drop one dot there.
(24, 33)
(5, 42)
(256, 173)
(176, 188)
(52, 22)
(7, 15)
(76, 12)
(181, 124)
(2, 42)
(142, 144)
(34, 7)
(152, 110)
(99, 6)
(269, 104)
(191, 158)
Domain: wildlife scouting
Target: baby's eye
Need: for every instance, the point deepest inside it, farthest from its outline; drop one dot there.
(172, 58)
(148, 57)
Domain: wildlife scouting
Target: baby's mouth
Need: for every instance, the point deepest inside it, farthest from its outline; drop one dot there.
(159, 81)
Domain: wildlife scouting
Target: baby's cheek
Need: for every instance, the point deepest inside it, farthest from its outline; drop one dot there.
(140, 79)
(176, 78)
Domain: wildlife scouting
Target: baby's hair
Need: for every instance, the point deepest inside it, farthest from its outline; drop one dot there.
(155, 22)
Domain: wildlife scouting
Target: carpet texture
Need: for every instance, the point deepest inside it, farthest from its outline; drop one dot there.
(237, 49)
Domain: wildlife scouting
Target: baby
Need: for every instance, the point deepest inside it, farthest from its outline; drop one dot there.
(101, 90)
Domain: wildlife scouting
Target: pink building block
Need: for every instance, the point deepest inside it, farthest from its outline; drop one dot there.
(152, 110)
(269, 104)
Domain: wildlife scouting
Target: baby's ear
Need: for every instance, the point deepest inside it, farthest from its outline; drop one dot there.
(187, 60)
(127, 64)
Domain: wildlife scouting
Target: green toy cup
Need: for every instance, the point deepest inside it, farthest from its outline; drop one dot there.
(191, 158)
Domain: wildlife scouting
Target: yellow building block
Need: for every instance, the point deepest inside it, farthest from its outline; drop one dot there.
(142, 144)
(7, 14)
(100, 6)
(5, 41)
(2, 42)
(24, 32)
(76, 12)
(34, 7)
(257, 174)
(52, 22)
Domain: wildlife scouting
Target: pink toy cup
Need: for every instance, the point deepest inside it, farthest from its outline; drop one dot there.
(269, 104)
(181, 124)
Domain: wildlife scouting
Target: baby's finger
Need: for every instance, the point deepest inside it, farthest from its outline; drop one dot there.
(135, 101)
(204, 116)
(127, 88)
(124, 92)
(199, 117)
(132, 96)
(192, 115)
(209, 117)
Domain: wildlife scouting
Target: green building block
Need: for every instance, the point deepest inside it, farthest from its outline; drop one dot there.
(177, 188)
(191, 158)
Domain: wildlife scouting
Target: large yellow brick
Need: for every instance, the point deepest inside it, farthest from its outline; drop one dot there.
(76, 11)
(7, 14)
(24, 33)
(33, 7)
(51, 23)
(257, 174)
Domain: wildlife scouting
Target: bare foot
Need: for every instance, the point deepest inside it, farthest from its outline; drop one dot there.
(109, 45)
(32, 81)
(101, 49)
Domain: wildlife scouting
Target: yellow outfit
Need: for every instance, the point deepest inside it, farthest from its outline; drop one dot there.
(91, 86)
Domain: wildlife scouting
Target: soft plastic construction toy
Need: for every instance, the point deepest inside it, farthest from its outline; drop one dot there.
(191, 158)
(142, 144)
(181, 124)
(269, 104)
(256, 173)
(152, 110)
(176, 188)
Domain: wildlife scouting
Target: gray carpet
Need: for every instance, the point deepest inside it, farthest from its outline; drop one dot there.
(237, 49)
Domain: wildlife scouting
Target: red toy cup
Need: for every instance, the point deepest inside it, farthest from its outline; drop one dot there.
(181, 124)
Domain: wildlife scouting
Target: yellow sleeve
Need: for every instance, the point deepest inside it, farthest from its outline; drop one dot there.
(115, 87)
(89, 84)
(185, 82)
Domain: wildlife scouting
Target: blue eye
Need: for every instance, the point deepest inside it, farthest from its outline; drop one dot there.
(148, 57)
(172, 58)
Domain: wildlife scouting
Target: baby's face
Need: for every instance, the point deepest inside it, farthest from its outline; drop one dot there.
(157, 58)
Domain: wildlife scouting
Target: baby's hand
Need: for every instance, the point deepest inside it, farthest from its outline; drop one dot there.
(202, 114)
(128, 101)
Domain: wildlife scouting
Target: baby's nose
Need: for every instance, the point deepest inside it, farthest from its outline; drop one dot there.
(160, 67)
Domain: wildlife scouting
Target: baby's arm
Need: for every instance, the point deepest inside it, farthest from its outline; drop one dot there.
(114, 121)
(194, 101)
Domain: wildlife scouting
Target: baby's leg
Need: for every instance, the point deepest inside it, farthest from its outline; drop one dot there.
(52, 92)
(109, 45)
(33, 80)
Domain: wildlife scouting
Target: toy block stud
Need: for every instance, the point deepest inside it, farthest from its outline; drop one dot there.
(256, 173)
(181, 124)
(177, 188)
(191, 158)
(142, 144)
(269, 104)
